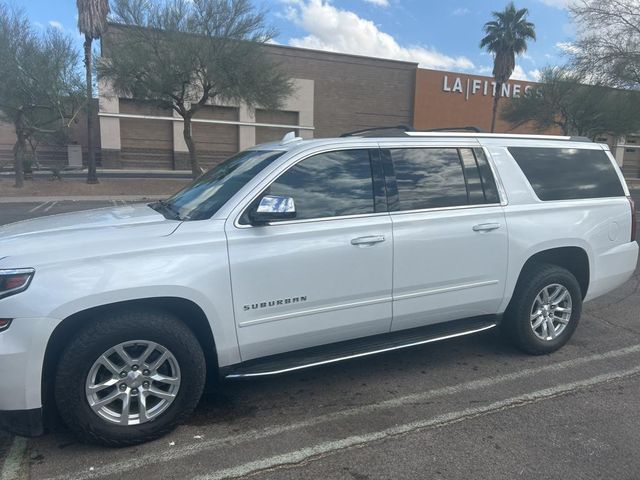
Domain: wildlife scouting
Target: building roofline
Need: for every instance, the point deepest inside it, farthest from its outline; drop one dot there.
(302, 49)
(471, 74)
(342, 54)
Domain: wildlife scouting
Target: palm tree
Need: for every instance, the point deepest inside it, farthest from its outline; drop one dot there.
(506, 36)
(92, 22)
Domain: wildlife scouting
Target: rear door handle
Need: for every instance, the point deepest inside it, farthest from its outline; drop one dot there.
(486, 227)
(367, 240)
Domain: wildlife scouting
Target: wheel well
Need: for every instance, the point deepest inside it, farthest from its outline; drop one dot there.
(189, 312)
(574, 259)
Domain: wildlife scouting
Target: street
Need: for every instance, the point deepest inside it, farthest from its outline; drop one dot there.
(471, 408)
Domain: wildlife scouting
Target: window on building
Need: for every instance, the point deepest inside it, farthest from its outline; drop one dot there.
(630, 150)
(568, 173)
(330, 184)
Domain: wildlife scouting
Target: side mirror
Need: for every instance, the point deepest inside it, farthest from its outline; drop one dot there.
(272, 208)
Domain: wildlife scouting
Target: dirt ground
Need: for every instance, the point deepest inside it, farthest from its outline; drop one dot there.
(46, 187)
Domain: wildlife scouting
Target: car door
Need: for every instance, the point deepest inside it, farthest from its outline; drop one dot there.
(324, 276)
(450, 235)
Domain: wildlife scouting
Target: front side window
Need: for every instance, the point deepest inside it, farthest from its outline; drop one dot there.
(329, 184)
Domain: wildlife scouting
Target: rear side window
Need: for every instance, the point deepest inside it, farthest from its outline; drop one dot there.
(428, 178)
(442, 177)
(480, 182)
(568, 173)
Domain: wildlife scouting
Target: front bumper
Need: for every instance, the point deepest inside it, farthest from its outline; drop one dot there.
(22, 351)
(26, 423)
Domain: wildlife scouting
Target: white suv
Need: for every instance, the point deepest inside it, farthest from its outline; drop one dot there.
(301, 253)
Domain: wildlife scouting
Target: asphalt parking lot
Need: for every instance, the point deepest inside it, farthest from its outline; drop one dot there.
(462, 409)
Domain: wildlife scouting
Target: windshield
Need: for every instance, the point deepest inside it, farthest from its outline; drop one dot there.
(209, 192)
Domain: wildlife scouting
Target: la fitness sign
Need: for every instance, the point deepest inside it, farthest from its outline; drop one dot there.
(475, 86)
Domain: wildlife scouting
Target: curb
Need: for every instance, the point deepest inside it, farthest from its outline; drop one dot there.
(83, 198)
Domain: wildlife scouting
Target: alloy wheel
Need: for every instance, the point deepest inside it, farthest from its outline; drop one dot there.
(550, 312)
(133, 382)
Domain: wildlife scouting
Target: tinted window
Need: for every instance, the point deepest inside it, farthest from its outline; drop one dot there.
(210, 191)
(329, 185)
(568, 173)
(480, 182)
(472, 176)
(428, 178)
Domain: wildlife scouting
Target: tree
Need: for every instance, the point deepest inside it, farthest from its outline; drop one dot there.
(563, 101)
(41, 91)
(183, 55)
(505, 37)
(92, 22)
(608, 47)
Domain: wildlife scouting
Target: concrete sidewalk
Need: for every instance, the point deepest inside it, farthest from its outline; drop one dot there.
(82, 198)
(109, 173)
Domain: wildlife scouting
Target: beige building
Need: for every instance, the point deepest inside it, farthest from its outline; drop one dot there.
(333, 93)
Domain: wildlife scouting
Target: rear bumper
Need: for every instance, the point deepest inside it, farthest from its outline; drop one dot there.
(612, 269)
(26, 423)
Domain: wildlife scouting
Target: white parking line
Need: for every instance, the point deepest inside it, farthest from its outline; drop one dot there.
(297, 456)
(12, 467)
(53, 204)
(40, 205)
(120, 467)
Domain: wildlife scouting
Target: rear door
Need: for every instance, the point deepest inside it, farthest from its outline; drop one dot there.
(325, 276)
(450, 235)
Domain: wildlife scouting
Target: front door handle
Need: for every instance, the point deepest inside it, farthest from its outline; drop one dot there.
(367, 240)
(486, 227)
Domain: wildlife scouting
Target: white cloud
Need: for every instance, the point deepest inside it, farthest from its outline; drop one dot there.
(333, 29)
(56, 24)
(379, 3)
(566, 47)
(461, 11)
(561, 4)
(520, 74)
(528, 57)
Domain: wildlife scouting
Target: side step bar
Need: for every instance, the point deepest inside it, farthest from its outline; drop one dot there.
(337, 352)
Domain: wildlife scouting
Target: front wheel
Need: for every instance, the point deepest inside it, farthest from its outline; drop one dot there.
(545, 309)
(130, 377)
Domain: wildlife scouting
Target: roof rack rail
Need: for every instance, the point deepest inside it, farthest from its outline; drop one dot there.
(456, 129)
(370, 132)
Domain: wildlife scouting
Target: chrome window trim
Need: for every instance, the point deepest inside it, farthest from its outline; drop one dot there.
(307, 220)
(441, 209)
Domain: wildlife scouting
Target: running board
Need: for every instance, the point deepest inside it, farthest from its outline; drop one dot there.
(337, 352)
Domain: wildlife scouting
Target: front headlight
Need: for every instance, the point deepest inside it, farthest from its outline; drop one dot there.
(15, 281)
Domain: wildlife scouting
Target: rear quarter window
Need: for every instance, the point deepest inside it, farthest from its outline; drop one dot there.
(568, 173)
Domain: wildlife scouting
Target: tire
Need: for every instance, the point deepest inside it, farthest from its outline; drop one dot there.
(162, 391)
(520, 319)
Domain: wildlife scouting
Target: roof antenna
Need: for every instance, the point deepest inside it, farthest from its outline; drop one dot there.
(290, 137)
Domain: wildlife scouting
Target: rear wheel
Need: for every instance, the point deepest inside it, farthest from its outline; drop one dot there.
(130, 377)
(545, 309)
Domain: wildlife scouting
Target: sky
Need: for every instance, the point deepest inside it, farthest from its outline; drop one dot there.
(438, 34)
